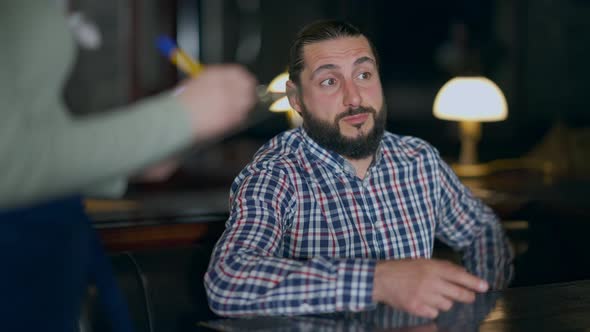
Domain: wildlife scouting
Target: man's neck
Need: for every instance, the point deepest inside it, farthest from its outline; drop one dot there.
(361, 165)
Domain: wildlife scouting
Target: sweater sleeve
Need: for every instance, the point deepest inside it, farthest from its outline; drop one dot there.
(44, 151)
(60, 155)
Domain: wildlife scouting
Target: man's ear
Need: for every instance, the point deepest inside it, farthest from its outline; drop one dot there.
(293, 95)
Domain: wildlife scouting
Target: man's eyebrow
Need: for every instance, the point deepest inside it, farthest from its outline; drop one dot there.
(363, 60)
(323, 67)
(328, 66)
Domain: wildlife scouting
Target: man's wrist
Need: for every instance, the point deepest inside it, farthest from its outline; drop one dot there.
(377, 282)
(355, 284)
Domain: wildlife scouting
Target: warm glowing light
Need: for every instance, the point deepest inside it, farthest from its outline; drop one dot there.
(278, 88)
(279, 83)
(295, 120)
(470, 99)
(281, 105)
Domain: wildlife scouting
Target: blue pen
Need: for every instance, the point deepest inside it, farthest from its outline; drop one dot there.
(178, 57)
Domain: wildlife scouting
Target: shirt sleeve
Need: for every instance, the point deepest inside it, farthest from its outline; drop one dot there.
(467, 224)
(248, 274)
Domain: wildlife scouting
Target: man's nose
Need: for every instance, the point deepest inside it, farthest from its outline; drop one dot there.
(352, 96)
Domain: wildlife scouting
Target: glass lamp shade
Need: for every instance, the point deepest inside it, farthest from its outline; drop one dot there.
(281, 105)
(278, 86)
(470, 99)
(279, 83)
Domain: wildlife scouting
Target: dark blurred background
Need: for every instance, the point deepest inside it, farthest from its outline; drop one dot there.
(536, 51)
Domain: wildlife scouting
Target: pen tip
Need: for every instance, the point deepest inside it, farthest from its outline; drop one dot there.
(165, 44)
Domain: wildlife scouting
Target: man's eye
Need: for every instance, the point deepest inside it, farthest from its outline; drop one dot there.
(328, 82)
(364, 76)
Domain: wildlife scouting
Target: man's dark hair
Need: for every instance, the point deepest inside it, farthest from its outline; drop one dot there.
(317, 32)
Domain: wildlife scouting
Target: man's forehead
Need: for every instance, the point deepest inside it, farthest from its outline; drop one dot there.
(339, 49)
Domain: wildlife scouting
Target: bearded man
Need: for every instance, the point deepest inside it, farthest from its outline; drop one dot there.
(340, 215)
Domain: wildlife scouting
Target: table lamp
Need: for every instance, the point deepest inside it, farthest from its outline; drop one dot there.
(279, 86)
(470, 100)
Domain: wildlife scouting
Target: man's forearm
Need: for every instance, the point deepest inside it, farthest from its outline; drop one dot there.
(491, 256)
(242, 286)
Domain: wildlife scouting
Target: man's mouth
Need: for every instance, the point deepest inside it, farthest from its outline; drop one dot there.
(357, 119)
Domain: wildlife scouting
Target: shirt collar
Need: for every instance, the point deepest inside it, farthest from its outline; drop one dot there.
(318, 155)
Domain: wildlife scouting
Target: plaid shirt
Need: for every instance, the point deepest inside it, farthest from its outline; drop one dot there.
(304, 232)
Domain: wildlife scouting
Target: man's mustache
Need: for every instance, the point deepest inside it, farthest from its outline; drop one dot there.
(355, 111)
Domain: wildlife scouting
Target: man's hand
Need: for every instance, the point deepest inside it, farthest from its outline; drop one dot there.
(424, 287)
(218, 99)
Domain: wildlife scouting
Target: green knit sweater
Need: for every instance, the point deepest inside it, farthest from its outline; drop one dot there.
(44, 151)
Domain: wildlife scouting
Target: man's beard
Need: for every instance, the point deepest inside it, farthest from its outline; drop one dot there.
(329, 137)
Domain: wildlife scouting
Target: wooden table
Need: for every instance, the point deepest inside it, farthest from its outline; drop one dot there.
(552, 307)
(155, 221)
(547, 220)
(508, 192)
